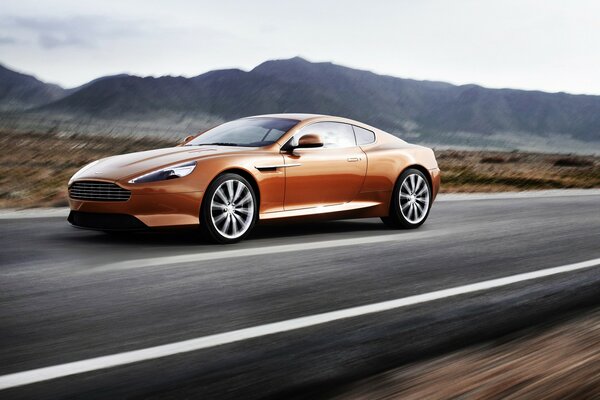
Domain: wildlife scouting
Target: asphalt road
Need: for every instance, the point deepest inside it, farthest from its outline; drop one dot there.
(68, 295)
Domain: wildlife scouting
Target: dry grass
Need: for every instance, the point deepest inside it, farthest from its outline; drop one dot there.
(562, 362)
(35, 168)
(481, 171)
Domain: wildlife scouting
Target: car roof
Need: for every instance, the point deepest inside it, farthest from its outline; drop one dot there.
(302, 117)
(298, 116)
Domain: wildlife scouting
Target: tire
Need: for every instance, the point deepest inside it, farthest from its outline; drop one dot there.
(410, 202)
(229, 209)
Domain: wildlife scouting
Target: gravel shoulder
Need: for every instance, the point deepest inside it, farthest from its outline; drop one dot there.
(556, 361)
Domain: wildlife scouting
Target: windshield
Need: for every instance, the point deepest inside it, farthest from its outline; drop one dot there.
(247, 132)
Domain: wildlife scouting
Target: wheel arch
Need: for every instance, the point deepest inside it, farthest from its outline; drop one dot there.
(207, 228)
(246, 175)
(421, 168)
(390, 219)
(411, 166)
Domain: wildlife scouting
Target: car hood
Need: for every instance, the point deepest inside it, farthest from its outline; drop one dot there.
(130, 165)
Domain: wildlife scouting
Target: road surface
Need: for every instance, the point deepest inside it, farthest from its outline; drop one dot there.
(166, 316)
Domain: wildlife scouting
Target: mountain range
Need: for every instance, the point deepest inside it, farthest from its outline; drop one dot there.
(19, 91)
(432, 111)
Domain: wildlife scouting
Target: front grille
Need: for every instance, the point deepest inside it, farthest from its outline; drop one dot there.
(98, 191)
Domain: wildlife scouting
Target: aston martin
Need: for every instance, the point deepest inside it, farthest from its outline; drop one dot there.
(269, 167)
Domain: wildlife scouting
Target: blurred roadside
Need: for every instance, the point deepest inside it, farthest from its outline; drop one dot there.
(556, 361)
(35, 167)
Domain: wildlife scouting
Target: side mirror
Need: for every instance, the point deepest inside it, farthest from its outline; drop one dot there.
(186, 140)
(310, 140)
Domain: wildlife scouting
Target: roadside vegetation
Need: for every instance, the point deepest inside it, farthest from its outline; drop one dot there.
(484, 171)
(35, 167)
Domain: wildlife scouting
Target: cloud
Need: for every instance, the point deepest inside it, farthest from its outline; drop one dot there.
(50, 41)
(7, 40)
(77, 31)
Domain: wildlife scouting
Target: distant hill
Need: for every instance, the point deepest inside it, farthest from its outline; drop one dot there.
(19, 91)
(434, 111)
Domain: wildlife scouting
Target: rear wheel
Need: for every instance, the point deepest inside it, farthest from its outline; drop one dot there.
(411, 201)
(229, 210)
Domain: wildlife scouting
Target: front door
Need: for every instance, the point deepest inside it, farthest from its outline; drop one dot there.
(328, 175)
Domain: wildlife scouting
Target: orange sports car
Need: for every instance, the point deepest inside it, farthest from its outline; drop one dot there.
(260, 168)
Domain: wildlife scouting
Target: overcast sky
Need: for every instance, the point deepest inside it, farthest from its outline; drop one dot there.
(551, 45)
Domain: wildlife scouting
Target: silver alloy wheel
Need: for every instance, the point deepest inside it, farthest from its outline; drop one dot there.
(414, 198)
(232, 209)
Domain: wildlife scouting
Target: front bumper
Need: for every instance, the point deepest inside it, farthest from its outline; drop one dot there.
(149, 210)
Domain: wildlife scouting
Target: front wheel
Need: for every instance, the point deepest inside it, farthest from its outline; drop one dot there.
(411, 201)
(229, 209)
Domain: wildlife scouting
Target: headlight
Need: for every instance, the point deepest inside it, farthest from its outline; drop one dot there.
(172, 172)
(83, 169)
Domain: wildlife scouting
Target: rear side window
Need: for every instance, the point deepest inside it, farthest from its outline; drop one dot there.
(363, 136)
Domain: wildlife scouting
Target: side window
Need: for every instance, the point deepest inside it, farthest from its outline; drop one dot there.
(333, 134)
(363, 136)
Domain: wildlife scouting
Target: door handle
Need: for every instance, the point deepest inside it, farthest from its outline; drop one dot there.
(353, 159)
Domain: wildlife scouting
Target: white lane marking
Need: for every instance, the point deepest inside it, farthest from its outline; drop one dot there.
(261, 251)
(11, 213)
(151, 353)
